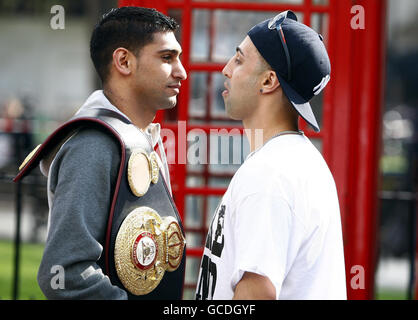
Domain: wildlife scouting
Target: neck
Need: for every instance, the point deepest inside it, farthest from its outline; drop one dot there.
(258, 133)
(276, 131)
(268, 120)
(140, 115)
(257, 137)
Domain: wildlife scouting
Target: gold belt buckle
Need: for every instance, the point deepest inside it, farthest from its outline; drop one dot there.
(147, 246)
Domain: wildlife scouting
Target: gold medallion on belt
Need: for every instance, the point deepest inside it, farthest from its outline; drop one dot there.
(146, 247)
(142, 170)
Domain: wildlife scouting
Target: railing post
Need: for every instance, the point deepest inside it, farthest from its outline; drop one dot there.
(18, 198)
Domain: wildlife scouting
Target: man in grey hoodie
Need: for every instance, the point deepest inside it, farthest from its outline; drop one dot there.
(136, 55)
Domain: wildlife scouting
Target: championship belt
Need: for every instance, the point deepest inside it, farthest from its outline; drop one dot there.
(144, 242)
(147, 246)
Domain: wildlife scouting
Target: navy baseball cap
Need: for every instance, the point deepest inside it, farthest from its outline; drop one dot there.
(298, 56)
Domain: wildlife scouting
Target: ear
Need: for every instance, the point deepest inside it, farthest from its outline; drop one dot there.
(123, 61)
(269, 82)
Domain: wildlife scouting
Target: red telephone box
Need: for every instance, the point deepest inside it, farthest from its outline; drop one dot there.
(349, 113)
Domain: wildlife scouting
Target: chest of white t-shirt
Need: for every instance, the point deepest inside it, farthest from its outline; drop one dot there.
(279, 218)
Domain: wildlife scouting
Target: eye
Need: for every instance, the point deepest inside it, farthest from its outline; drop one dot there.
(167, 58)
(237, 59)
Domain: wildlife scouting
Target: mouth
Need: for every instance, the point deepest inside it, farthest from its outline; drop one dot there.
(175, 87)
(226, 91)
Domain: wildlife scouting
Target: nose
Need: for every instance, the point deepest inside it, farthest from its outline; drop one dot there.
(179, 72)
(226, 71)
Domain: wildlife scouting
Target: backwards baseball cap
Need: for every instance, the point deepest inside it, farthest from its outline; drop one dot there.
(298, 56)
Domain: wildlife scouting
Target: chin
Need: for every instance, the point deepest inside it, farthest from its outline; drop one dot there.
(169, 104)
(230, 113)
(234, 117)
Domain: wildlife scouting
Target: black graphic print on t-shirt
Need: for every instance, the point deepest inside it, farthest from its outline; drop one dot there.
(215, 243)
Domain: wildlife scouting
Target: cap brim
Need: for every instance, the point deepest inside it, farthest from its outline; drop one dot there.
(302, 106)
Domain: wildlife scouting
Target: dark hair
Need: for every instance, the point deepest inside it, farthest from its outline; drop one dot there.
(129, 27)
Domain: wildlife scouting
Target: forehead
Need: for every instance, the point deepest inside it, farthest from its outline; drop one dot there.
(164, 41)
(248, 48)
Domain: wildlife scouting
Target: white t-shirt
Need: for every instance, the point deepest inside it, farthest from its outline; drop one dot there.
(279, 218)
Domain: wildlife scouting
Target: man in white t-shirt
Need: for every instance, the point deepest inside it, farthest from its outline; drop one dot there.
(277, 232)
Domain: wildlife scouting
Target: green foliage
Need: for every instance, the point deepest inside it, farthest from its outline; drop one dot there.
(390, 294)
(30, 258)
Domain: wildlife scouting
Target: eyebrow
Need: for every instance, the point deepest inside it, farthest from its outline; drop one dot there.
(238, 49)
(171, 51)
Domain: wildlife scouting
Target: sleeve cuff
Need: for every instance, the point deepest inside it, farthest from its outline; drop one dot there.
(239, 273)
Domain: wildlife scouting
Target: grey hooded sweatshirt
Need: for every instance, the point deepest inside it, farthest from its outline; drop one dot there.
(81, 178)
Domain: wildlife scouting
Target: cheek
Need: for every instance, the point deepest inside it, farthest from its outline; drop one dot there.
(151, 81)
(243, 85)
(164, 71)
(161, 77)
(154, 73)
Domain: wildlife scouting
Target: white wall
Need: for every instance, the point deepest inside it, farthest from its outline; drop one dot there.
(52, 66)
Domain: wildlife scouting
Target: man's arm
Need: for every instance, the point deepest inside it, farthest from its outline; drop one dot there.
(82, 180)
(264, 232)
(253, 286)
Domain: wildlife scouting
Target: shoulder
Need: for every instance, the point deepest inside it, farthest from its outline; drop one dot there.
(88, 152)
(96, 139)
(290, 156)
(281, 166)
(255, 176)
(90, 145)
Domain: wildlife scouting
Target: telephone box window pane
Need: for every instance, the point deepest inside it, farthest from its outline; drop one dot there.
(197, 153)
(212, 204)
(194, 181)
(228, 150)
(194, 239)
(192, 269)
(176, 14)
(218, 105)
(206, 88)
(321, 2)
(231, 28)
(200, 36)
(192, 273)
(199, 85)
(265, 1)
(220, 182)
(320, 23)
(317, 143)
(193, 216)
